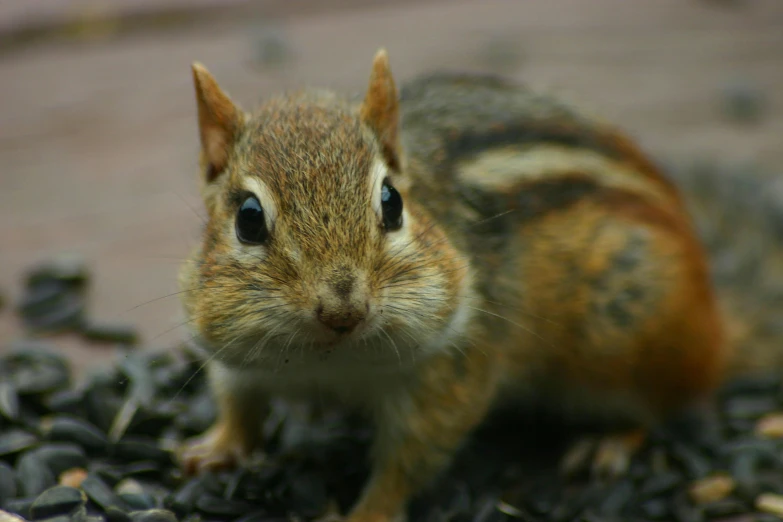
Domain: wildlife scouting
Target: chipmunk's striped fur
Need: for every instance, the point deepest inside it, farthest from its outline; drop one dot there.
(540, 254)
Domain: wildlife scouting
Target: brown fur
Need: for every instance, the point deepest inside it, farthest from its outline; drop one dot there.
(542, 254)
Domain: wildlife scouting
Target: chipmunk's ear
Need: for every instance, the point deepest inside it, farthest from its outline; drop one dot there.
(219, 121)
(380, 108)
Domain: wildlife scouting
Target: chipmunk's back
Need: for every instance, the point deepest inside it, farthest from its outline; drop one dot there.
(486, 142)
(586, 257)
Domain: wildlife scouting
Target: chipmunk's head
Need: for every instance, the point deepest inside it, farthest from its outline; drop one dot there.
(314, 246)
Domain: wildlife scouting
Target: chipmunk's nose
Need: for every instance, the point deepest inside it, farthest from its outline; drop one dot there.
(341, 321)
(342, 303)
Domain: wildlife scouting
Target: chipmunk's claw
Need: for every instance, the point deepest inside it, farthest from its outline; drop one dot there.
(216, 449)
(607, 457)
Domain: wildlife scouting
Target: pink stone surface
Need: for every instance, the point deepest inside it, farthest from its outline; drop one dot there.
(98, 139)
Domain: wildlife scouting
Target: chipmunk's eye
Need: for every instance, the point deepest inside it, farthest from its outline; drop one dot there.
(250, 224)
(391, 206)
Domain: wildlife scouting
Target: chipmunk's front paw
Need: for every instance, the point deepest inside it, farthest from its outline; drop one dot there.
(607, 457)
(218, 448)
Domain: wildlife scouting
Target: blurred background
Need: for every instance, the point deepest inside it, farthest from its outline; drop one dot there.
(98, 136)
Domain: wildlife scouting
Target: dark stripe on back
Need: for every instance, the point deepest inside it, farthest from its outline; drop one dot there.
(501, 211)
(527, 201)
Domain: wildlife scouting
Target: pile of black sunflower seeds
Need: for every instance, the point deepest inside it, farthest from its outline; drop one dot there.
(103, 449)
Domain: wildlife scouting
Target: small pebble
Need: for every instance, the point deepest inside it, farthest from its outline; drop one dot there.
(770, 426)
(711, 489)
(72, 477)
(770, 503)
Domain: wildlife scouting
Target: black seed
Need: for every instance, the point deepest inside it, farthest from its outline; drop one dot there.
(42, 298)
(102, 405)
(36, 368)
(65, 314)
(111, 474)
(761, 384)
(16, 440)
(59, 457)
(656, 509)
(20, 506)
(223, 508)
(258, 516)
(9, 400)
(684, 511)
(100, 493)
(725, 507)
(141, 448)
(114, 514)
(41, 379)
(153, 515)
(7, 482)
(660, 484)
(80, 514)
(308, 493)
(199, 417)
(34, 475)
(68, 268)
(69, 429)
(153, 420)
(139, 501)
(184, 499)
(59, 500)
(140, 469)
(696, 465)
(142, 383)
(617, 498)
(66, 401)
(57, 518)
(106, 332)
(749, 407)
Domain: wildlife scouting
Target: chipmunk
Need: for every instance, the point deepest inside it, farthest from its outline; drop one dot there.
(425, 256)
